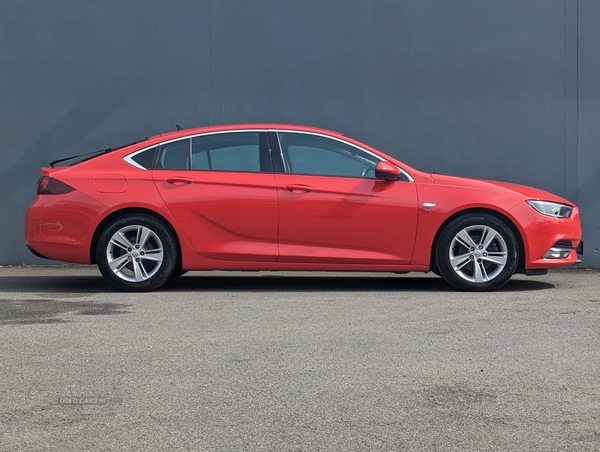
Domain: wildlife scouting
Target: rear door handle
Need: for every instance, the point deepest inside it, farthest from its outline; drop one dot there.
(180, 180)
(298, 188)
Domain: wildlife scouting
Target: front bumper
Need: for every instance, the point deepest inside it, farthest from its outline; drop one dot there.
(541, 233)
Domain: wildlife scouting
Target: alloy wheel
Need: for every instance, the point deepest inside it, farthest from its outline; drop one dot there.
(478, 253)
(135, 253)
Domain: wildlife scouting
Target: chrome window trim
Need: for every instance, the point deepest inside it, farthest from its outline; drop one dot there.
(191, 144)
(128, 157)
(210, 133)
(409, 177)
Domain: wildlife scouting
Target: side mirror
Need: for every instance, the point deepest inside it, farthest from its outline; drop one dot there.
(386, 171)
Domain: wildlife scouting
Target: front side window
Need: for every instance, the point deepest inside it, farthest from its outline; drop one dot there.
(316, 155)
(234, 151)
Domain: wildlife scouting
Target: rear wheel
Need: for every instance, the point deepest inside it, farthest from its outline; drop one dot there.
(136, 253)
(477, 252)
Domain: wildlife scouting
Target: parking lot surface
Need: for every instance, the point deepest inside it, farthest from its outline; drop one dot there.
(298, 362)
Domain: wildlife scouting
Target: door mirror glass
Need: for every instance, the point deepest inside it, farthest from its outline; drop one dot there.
(387, 171)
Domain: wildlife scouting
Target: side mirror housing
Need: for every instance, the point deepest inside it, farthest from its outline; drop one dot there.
(386, 171)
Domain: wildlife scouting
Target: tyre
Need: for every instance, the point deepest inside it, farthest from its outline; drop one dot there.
(177, 273)
(137, 253)
(477, 252)
(436, 272)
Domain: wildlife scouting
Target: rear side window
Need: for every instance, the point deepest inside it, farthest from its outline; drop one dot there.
(234, 151)
(175, 155)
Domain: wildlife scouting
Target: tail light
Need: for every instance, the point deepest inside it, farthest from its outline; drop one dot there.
(47, 185)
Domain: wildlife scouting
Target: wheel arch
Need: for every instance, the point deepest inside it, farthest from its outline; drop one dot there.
(509, 222)
(128, 211)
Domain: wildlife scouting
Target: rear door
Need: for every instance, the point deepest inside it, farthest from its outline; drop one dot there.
(221, 190)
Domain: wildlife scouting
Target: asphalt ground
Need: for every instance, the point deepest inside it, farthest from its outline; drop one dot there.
(298, 362)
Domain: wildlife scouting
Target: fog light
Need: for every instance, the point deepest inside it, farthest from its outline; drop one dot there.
(557, 253)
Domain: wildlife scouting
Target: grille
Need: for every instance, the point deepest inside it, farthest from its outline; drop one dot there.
(563, 244)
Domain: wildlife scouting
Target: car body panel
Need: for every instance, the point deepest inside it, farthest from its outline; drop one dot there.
(61, 227)
(240, 221)
(225, 216)
(334, 221)
(540, 232)
(496, 187)
(450, 201)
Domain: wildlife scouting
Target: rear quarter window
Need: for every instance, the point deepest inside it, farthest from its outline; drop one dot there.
(145, 159)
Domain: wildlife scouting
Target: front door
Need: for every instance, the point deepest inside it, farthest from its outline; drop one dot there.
(332, 209)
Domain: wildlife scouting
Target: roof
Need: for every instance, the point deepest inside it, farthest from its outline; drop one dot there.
(250, 126)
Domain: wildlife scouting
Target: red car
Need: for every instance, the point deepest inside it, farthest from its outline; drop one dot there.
(281, 197)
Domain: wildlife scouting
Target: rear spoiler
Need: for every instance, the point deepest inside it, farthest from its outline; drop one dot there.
(95, 153)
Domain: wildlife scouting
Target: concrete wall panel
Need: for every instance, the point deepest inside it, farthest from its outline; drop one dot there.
(499, 90)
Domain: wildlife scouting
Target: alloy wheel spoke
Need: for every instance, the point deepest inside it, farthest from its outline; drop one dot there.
(120, 238)
(465, 239)
(139, 271)
(498, 258)
(143, 235)
(483, 271)
(118, 243)
(118, 264)
(479, 272)
(153, 255)
(487, 237)
(459, 262)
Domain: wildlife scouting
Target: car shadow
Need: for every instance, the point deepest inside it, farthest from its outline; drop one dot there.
(273, 283)
(86, 285)
(68, 285)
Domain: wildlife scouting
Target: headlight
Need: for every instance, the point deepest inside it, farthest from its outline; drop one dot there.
(551, 209)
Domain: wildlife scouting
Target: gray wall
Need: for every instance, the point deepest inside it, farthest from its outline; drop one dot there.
(504, 90)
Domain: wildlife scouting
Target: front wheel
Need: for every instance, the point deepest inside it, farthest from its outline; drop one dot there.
(136, 253)
(477, 252)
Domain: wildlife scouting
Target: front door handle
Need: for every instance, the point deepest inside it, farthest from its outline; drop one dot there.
(298, 188)
(180, 180)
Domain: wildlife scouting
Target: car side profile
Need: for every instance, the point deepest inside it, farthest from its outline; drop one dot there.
(282, 197)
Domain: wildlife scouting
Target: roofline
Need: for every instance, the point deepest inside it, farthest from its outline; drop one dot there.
(247, 126)
(175, 134)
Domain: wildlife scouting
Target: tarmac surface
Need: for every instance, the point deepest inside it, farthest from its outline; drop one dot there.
(298, 362)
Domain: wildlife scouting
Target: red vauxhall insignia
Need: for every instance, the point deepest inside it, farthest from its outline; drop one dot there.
(281, 197)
